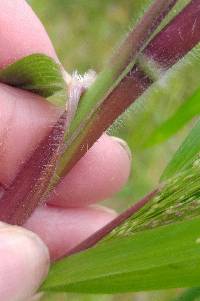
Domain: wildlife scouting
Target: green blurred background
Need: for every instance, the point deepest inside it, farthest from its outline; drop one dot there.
(84, 33)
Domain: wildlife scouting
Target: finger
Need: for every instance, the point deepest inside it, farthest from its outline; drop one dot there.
(24, 263)
(24, 120)
(62, 229)
(21, 32)
(98, 175)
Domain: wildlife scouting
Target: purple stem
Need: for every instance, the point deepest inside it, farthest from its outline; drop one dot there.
(178, 38)
(184, 30)
(141, 33)
(20, 199)
(97, 236)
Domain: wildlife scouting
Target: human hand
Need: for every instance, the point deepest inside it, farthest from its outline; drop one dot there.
(69, 215)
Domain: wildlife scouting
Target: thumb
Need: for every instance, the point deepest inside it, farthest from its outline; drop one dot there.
(24, 263)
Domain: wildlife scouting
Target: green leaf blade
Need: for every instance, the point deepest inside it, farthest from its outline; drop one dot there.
(188, 110)
(166, 257)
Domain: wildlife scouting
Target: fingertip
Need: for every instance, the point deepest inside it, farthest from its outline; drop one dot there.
(24, 263)
(22, 33)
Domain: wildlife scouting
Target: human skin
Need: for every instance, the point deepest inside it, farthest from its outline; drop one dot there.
(25, 119)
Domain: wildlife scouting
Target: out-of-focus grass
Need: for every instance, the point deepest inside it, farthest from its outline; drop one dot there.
(84, 33)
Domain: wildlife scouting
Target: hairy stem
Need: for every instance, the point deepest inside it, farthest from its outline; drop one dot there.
(176, 39)
(96, 114)
(167, 47)
(125, 56)
(139, 36)
(26, 192)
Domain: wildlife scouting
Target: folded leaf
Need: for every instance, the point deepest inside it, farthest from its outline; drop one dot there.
(37, 73)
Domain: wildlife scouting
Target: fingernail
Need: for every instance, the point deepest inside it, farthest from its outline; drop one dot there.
(24, 251)
(124, 145)
(105, 209)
